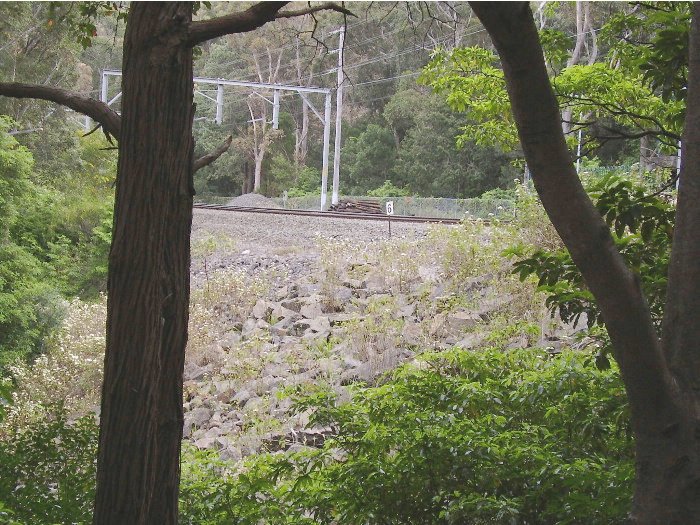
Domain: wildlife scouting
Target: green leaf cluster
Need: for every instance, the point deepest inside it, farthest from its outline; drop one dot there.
(54, 239)
(47, 472)
(642, 224)
(466, 437)
(473, 84)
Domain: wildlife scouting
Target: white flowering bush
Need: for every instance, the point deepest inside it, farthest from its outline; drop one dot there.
(68, 374)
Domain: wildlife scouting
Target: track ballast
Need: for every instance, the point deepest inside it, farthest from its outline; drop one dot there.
(328, 214)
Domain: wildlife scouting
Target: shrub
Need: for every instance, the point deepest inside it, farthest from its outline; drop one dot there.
(388, 189)
(466, 437)
(70, 372)
(47, 471)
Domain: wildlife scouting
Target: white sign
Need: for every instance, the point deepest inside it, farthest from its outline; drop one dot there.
(390, 208)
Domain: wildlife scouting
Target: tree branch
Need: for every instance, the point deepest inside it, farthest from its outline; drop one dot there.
(213, 155)
(95, 109)
(252, 18)
(326, 6)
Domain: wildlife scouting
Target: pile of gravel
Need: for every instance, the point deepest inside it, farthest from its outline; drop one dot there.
(252, 200)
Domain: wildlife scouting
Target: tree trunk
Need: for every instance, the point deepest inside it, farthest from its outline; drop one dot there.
(664, 407)
(304, 139)
(257, 177)
(141, 418)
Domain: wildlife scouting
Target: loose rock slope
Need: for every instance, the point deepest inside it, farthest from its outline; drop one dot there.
(284, 302)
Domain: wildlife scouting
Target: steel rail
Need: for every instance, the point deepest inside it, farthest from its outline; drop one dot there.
(328, 214)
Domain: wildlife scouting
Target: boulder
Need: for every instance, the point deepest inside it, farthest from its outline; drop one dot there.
(412, 334)
(263, 309)
(193, 372)
(461, 321)
(197, 417)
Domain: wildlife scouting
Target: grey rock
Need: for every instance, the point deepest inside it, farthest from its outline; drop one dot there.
(197, 417)
(193, 372)
(319, 324)
(471, 341)
(205, 442)
(263, 309)
(292, 304)
(437, 325)
(354, 284)
(310, 311)
(231, 453)
(412, 334)
(342, 295)
(461, 321)
(242, 397)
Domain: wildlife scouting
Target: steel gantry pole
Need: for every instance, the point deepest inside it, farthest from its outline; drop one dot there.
(338, 119)
(219, 104)
(103, 91)
(326, 148)
(275, 109)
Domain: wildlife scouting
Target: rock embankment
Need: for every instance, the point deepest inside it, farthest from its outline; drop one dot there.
(309, 301)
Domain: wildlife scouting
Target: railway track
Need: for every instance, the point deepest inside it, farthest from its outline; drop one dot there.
(328, 214)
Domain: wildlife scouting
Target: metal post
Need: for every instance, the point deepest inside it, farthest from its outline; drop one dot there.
(219, 104)
(276, 109)
(87, 123)
(338, 118)
(103, 91)
(326, 147)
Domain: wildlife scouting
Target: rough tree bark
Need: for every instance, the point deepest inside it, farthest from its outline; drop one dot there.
(141, 420)
(148, 284)
(662, 381)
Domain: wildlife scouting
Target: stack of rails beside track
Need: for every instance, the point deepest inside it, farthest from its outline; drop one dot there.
(328, 214)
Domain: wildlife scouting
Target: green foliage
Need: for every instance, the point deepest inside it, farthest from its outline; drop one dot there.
(388, 190)
(653, 39)
(54, 239)
(83, 16)
(15, 166)
(21, 284)
(597, 90)
(472, 84)
(642, 225)
(368, 159)
(469, 437)
(639, 86)
(47, 472)
(298, 181)
(205, 497)
(5, 396)
(428, 162)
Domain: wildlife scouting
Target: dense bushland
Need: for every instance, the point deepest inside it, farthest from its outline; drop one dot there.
(54, 239)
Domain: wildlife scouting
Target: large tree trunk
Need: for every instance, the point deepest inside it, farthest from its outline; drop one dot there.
(141, 417)
(664, 407)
